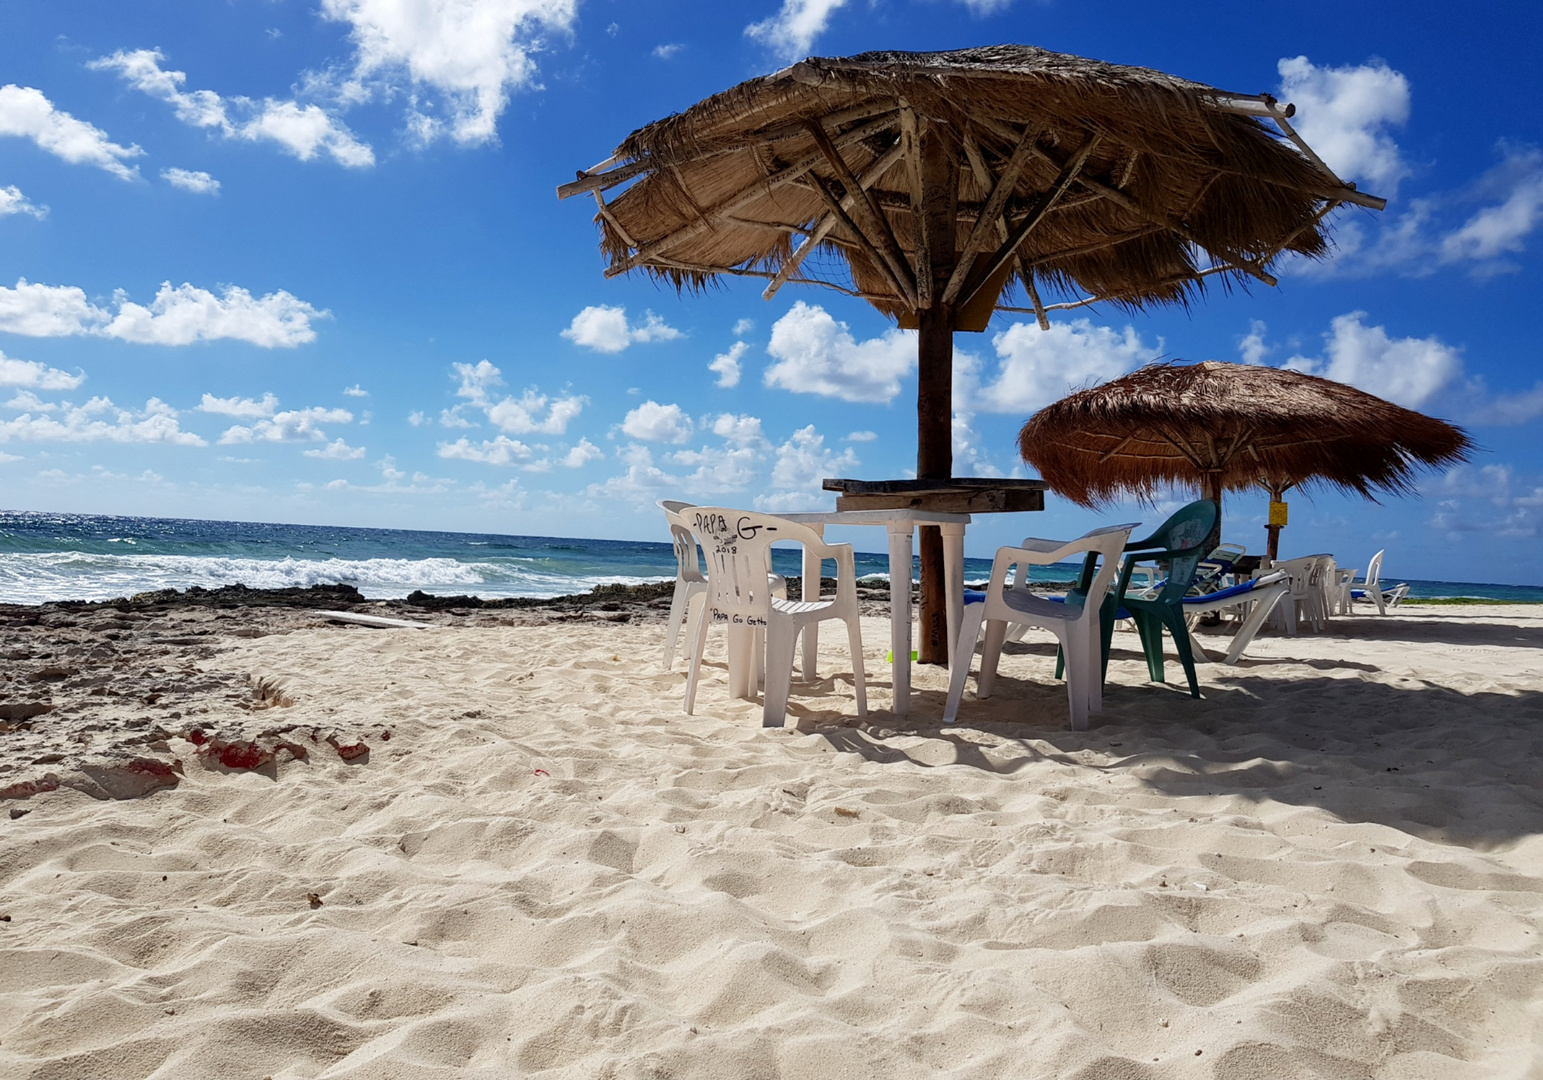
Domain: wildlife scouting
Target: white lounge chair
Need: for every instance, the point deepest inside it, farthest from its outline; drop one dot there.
(1372, 590)
(1074, 620)
(737, 544)
(1258, 597)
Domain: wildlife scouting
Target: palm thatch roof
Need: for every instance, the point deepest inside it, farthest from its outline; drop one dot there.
(1238, 425)
(1086, 180)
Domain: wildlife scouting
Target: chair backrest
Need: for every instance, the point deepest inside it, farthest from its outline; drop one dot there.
(1300, 571)
(1374, 570)
(737, 544)
(1102, 547)
(687, 568)
(1180, 541)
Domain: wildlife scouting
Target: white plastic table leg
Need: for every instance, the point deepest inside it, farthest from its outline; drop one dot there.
(953, 583)
(812, 592)
(900, 614)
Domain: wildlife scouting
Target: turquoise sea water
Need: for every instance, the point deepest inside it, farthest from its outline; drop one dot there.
(89, 557)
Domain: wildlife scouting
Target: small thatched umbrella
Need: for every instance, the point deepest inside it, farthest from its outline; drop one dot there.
(1231, 427)
(933, 184)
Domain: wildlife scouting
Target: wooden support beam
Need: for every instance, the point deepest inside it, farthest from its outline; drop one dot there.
(991, 212)
(910, 137)
(600, 181)
(872, 251)
(883, 236)
(1020, 233)
(744, 195)
(822, 228)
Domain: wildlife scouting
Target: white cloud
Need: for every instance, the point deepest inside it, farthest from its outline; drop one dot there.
(790, 33)
(1406, 371)
(294, 425)
(815, 354)
(199, 183)
(1344, 114)
(606, 329)
(476, 380)
(1251, 347)
(743, 327)
(860, 436)
(25, 113)
(177, 316)
(1496, 490)
(99, 420)
(239, 407)
(355, 391)
(417, 418)
(1036, 367)
(337, 450)
(1429, 235)
(457, 60)
(727, 364)
(12, 201)
(739, 430)
(642, 482)
(30, 373)
(653, 422)
(986, 7)
(802, 463)
(664, 52)
(534, 412)
(582, 454)
(301, 130)
(27, 401)
(500, 450)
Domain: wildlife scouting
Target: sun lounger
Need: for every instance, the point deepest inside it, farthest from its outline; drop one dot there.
(1260, 595)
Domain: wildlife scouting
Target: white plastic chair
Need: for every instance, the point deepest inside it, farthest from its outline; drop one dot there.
(1299, 573)
(737, 544)
(1074, 620)
(689, 582)
(1370, 589)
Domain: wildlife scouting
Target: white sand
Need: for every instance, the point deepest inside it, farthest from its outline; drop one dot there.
(1332, 867)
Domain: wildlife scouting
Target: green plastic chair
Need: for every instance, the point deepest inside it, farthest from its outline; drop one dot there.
(1181, 542)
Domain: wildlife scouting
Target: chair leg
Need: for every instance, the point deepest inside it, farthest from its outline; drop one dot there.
(964, 649)
(758, 665)
(1106, 620)
(855, 644)
(781, 637)
(1180, 633)
(677, 602)
(1151, 632)
(1095, 681)
(1079, 674)
(990, 653)
(698, 643)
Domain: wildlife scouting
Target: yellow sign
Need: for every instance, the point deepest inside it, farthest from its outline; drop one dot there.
(1277, 513)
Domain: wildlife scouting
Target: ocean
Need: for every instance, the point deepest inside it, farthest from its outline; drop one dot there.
(92, 557)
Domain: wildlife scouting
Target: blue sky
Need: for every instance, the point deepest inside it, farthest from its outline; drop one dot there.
(303, 262)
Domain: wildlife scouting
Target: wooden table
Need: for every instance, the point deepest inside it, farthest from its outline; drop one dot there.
(901, 524)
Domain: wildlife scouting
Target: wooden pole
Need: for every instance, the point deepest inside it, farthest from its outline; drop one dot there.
(935, 379)
(1211, 488)
(1272, 546)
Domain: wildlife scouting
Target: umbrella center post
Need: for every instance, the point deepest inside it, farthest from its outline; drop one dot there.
(936, 224)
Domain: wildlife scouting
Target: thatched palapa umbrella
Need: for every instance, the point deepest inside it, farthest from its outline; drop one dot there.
(935, 185)
(1231, 427)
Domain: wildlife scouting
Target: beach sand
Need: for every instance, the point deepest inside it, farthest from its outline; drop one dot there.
(1332, 866)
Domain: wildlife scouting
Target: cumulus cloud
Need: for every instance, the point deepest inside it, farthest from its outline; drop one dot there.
(815, 354)
(500, 450)
(294, 425)
(1036, 367)
(531, 413)
(36, 376)
(1344, 113)
(337, 450)
(582, 454)
(241, 407)
(802, 463)
(12, 201)
(1406, 371)
(606, 329)
(653, 422)
(199, 183)
(457, 60)
(791, 32)
(99, 420)
(355, 391)
(179, 315)
(861, 436)
(26, 114)
(1418, 373)
(301, 130)
(1488, 499)
(727, 364)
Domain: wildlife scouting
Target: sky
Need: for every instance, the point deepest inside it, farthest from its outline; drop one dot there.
(303, 262)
